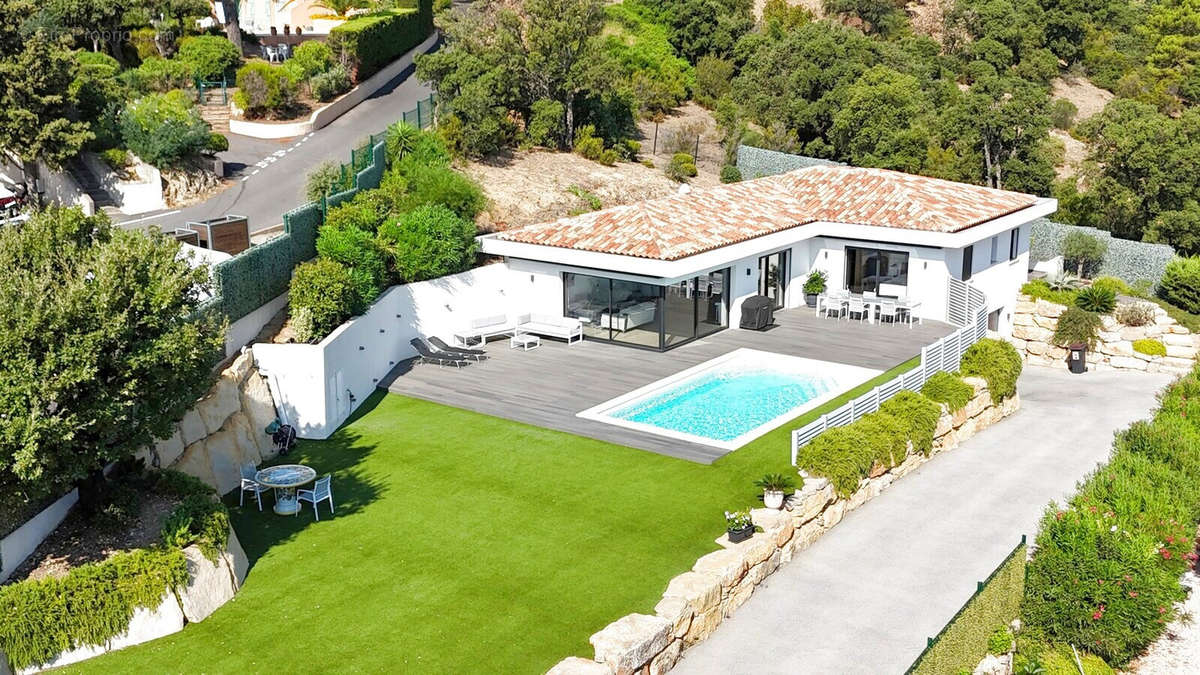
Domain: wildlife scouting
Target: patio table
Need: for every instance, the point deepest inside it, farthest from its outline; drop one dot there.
(285, 478)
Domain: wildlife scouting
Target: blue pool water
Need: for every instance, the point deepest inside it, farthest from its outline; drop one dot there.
(725, 405)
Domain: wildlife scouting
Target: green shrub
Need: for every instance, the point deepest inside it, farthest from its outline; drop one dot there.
(159, 75)
(1083, 252)
(547, 123)
(441, 185)
(919, 416)
(1077, 326)
(118, 508)
(428, 242)
(948, 388)
(265, 90)
(201, 520)
(1180, 284)
(97, 64)
(816, 282)
(1113, 284)
(1039, 289)
(1060, 660)
(1100, 300)
(589, 146)
(117, 159)
(1174, 441)
(1062, 113)
(628, 149)
(328, 85)
(313, 58)
(1149, 347)
(325, 179)
(363, 212)
(681, 167)
(163, 129)
(714, 79)
(356, 250)
(217, 142)
(837, 454)
(211, 57)
(93, 603)
(370, 42)
(179, 484)
(1135, 313)
(321, 296)
(997, 362)
(887, 439)
(731, 174)
(1000, 641)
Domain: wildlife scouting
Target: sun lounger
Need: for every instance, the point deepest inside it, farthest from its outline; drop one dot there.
(469, 354)
(440, 358)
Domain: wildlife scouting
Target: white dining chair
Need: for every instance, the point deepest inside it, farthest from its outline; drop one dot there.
(856, 306)
(321, 491)
(888, 310)
(250, 484)
(834, 307)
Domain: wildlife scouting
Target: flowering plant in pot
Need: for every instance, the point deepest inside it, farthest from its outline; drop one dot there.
(814, 285)
(774, 486)
(738, 525)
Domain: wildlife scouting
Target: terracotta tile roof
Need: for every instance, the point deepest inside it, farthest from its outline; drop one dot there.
(681, 225)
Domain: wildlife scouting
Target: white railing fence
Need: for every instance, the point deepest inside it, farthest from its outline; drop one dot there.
(966, 307)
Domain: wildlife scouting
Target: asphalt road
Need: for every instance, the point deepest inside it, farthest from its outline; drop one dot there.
(863, 598)
(268, 175)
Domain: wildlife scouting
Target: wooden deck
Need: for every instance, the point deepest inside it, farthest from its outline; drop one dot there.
(548, 385)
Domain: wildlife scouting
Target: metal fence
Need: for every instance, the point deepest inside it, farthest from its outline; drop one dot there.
(421, 116)
(966, 307)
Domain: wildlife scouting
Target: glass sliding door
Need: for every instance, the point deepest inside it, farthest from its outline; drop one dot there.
(635, 316)
(679, 312)
(712, 297)
(772, 276)
(876, 271)
(587, 298)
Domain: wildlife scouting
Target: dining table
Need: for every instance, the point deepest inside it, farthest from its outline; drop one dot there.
(284, 479)
(907, 305)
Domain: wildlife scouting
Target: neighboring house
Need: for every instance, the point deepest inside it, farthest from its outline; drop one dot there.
(660, 273)
(260, 16)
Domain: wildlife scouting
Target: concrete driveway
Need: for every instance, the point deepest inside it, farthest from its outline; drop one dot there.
(864, 597)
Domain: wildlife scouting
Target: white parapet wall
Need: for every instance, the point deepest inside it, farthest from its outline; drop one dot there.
(23, 541)
(317, 386)
(131, 196)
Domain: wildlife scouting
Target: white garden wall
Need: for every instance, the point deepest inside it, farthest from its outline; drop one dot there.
(24, 540)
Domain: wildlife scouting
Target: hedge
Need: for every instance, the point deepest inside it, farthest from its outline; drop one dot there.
(964, 641)
(371, 42)
(996, 361)
(948, 388)
(1130, 261)
(1180, 284)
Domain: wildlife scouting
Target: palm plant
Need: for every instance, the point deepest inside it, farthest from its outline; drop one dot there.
(337, 9)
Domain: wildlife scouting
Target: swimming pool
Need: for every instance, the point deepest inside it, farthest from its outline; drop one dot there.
(730, 400)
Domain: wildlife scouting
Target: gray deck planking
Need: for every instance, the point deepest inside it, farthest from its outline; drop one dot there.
(548, 385)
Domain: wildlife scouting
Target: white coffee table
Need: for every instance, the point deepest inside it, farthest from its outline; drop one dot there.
(525, 341)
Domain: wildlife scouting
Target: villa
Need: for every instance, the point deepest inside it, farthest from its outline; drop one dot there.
(663, 272)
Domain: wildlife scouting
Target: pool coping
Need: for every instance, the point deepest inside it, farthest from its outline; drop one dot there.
(600, 412)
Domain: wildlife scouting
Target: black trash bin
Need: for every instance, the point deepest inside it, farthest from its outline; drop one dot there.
(1078, 358)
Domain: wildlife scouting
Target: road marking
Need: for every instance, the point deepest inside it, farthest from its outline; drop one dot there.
(310, 135)
(255, 172)
(245, 178)
(157, 215)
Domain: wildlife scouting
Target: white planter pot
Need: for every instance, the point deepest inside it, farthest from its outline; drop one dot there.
(773, 499)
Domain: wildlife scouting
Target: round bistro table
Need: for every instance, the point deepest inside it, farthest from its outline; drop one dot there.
(285, 478)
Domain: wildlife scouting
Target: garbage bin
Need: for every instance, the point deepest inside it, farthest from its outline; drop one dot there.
(1078, 358)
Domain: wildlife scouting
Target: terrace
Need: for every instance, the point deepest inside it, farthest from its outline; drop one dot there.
(549, 385)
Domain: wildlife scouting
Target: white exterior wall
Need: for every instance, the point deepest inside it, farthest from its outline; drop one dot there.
(1001, 280)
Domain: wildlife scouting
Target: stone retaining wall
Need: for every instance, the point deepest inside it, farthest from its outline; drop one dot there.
(210, 585)
(1034, 322)
(225, 429)
(696, 602)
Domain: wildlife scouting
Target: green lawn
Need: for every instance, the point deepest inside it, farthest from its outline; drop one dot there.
(463, 543)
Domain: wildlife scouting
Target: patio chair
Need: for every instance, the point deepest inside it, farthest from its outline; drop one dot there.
(251, 484)
(856, 306)
(428, 355)
(833, 306)
(888, 310)
(870, 295)
(469, 354)
(320, 492)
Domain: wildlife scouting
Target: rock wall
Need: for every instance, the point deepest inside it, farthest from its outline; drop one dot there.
(225, 429)
(696, 602)
(210, 585)
(1034, 322)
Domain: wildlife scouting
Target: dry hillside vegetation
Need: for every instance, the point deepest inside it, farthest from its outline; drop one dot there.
(1087, 97)
(814, 6)
(678, 133)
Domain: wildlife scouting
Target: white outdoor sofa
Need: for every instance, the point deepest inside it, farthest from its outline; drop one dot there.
(629, 318)
(551, 326)
(485, 327)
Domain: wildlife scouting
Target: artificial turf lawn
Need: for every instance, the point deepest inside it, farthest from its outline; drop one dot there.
(463, 543)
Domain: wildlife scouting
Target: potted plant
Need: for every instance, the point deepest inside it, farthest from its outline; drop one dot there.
(814, 285)
(738, 525)
(1077, 330)
(774, 485)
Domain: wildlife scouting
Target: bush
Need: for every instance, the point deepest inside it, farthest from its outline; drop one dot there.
(1077, 326)
(1173, 441)
(313, 58)
(320, 299)
(1112, 285)
(97, 64)
(441, 185)
(714, 79)
(1040, 289)
(1083, 252)
(1149, 347)
(919, 416)
(163, 129)
(211, 57)
(837, 454)
(731, 174)
(1135, 313)
(117, 159)
(948, 388)
(1100, 300)
(1000, 641)
(356, 250)
(329, 85)
(364, 212)
(1062, 113)
(201, 520)
(681, 167)
(547, 124)
(217, 142)
(997, 362)
(589, 146)
(429, 242)
(42, 618)
(325, 179)
(1180, 284)
(370, 42)
(265, 90)
(159, 74)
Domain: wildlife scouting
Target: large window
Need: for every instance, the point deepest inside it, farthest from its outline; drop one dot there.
(877, 271)
(772, 276)
(645, 314)
(968, 262)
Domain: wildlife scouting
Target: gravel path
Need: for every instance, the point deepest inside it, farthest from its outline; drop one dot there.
(1178, 650)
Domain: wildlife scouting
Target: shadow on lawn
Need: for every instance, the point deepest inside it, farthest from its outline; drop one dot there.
(352, 489)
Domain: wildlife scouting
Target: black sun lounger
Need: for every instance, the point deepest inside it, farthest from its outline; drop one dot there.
(469, 354)
(440, 358)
